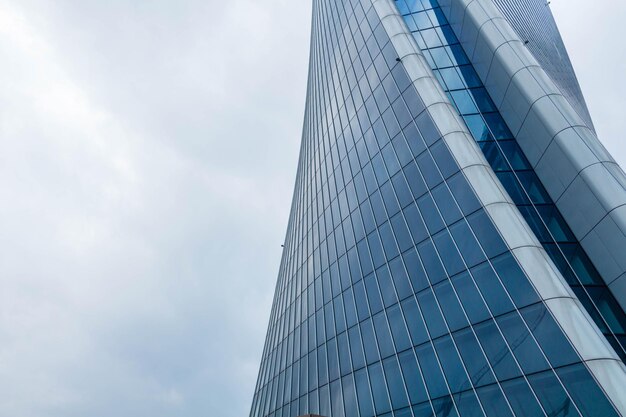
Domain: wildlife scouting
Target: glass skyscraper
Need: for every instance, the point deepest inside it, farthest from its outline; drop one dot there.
(457, 238)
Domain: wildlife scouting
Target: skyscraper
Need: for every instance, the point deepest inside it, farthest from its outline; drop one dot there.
(457, 238)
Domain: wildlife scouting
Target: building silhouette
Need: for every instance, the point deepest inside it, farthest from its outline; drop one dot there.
(457, 239)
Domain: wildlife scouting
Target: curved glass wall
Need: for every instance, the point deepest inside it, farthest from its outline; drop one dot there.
(396, 294)
(457, 77)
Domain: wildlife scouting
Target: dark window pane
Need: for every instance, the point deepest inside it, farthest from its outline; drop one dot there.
(395, 383)
(412, 377)
(521, 398)
(523, 345)
(491, 288)
(479, 371)
(497, 351)
(366, 406)
(493, 401)
(515, 281)
(549, 335)
(381, 400)
(398, 329)
(470, 298)
(450, 305)
(551, 395)
(432, 373)
(414, 321)
(452, 365)
(585, 392)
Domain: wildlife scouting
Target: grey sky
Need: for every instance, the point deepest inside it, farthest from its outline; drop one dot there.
(147, 157)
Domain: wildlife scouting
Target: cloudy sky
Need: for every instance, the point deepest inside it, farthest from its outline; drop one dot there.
(147, 158)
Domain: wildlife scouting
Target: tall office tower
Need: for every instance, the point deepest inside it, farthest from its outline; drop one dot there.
(457, 239)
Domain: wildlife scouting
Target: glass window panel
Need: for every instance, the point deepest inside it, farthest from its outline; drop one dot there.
(487, 234)
(398, 329)
(551, 394)
(312, 370)
(432, 373)
(585, 391)
(468, 405)
(521, 398)
(514, 154)
(336, 399)
(356, 350)
(414, 321)
(452, 365)
(463, 194)
(609, 308)
(415, 223)
(340, 321)
(322, 365)
(450, 305)
(475, 362)
(381, 400)
(477, 127)
(444, 407)
(343, 347)
(324, 402)
(483, 100)
(497, 351)
(432, 315)
(452, 79)
(361, 300)
(386, 286)
(383, 335)
(446, 204)
(458, 54)
(364, 395)
(513, 187)
(497, 126)
(464, 102)
(415, 270)
(369, 341)
(491, 289)
(373, 295)
(581, 264)
(348, 301)
(518, 285)
(469, 76)
(412, 377)
(389, 198)
(432, 264)
(467, 244)
(494, 156)
(549, 335)
(423, 410)
(471, 299)
(389, 241)
(534, 188)
(395, 383)
(521, 342)
(401, 233)
(400, 278)
(556, 224)
(448, 253)
(493, 401)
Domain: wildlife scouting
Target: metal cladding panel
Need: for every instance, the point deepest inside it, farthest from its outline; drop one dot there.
(410, 284)
(533, 21)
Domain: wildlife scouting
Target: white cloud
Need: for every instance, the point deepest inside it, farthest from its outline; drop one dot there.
(148, 156)
(593, 33)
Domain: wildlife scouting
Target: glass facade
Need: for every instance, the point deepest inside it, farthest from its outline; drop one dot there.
(465, 90)
(397, 295)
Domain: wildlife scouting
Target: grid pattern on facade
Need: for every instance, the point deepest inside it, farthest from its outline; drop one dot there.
(465, 90)
(396, 295)
(533, 22)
